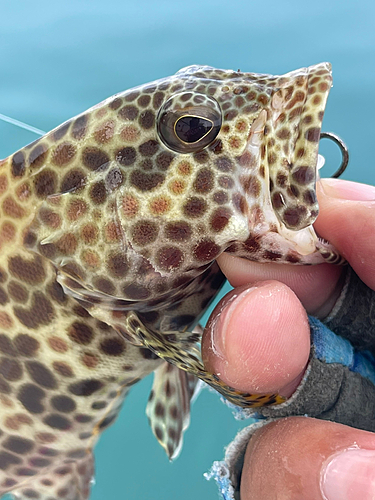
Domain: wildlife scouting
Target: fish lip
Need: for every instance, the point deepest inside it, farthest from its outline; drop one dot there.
(309, 107)
(309, 124)
(305, 149)
(316, 91)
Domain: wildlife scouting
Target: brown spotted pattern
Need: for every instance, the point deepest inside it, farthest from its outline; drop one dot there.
(168, 407)
(109, 225)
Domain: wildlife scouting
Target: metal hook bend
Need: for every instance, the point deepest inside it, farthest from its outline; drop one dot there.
(344, 151)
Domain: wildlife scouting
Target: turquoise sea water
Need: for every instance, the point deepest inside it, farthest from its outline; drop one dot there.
(59, 58)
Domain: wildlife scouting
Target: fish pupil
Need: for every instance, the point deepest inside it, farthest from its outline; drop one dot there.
(192, 129)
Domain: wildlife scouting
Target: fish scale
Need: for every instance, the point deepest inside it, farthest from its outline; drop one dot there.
(109, 228)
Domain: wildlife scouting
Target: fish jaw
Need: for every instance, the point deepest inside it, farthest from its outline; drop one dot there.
(278, 170)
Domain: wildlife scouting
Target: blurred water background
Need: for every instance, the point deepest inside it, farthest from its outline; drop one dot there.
(59, 58)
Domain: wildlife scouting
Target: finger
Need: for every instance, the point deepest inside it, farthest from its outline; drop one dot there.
(303, 458)
(347, 220)
(258, 339)
(317, 287)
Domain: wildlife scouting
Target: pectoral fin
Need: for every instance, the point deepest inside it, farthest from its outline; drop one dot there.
(181, 350)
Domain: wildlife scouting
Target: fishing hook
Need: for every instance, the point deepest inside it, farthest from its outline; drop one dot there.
(344, 152)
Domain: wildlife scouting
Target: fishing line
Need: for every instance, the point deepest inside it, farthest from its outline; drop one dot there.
(23, 125)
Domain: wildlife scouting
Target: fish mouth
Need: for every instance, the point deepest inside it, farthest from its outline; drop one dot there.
(284, 142)
(296, 114)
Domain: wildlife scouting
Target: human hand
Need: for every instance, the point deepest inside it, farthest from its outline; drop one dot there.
(260, 343)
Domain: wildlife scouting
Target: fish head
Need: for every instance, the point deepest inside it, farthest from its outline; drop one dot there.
(252, 142)
(143, 191)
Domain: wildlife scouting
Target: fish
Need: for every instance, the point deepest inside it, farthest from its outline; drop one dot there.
(109, 229)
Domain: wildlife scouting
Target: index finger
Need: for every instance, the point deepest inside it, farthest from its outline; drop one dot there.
(347, 220)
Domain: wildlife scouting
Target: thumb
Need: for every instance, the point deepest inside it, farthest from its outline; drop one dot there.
(258, 339)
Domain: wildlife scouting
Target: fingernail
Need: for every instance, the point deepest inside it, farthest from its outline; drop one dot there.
(348, 190)
(350, 475)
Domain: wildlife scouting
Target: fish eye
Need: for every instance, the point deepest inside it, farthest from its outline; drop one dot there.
(188, 125)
